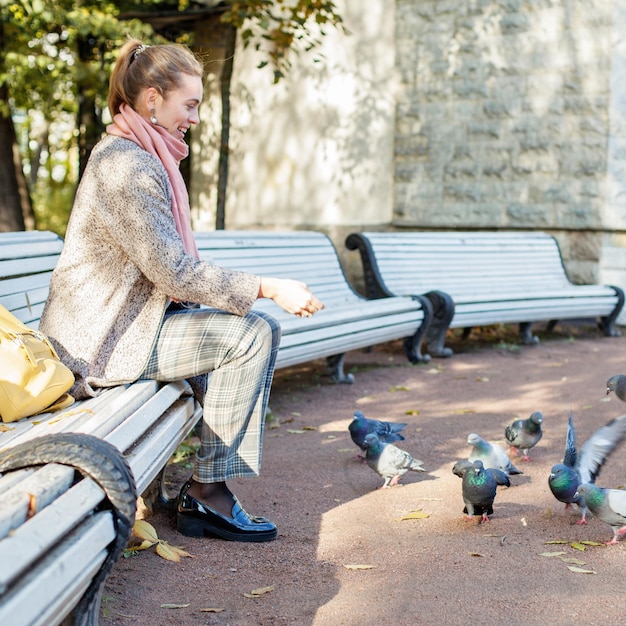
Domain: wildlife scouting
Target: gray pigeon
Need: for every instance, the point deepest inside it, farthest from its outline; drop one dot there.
(607, 504)
(617, 384)
(388, 460)
(360, 426)
(524, 434)
(491, 454)
(479, 487)
(576, 469)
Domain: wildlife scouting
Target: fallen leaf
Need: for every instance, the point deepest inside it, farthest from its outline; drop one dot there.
(296, 431)
(211, 610)
(578, 546)
(482, 379)
(580, 570)
(309, 428)
(178, 550)
(573, 561)
(359, 566)
(552, 553)
(165, 551)
(412, 412)
(559, 541)
(144, 545)
(419, 514)
(433, 370)
(296, 413)
(175, 606)
(345, 450)
(588, 406)
(145, 530)
(5, 429)
(171, 553)
(399, 388)
(262, 590)
(32, 505)
(475, 554)
(588, 542)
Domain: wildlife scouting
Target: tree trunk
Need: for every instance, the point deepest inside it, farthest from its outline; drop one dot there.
(90, 124)
(222, 181)
(15, 206)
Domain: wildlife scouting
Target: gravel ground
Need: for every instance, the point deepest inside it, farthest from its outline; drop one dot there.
(345, 556)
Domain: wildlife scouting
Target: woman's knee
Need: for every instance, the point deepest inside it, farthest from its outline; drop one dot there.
(266, 325)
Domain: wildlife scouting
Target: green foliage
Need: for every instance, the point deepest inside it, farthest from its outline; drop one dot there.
(280, 27)
(55, 53)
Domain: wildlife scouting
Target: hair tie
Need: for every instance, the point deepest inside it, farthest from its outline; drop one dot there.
(139, 50)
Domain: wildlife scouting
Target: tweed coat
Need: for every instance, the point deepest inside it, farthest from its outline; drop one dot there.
(121, 263)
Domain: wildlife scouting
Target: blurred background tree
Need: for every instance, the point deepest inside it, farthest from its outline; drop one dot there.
(55, 60)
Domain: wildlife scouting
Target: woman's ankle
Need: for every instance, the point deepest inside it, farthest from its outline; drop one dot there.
(215, 495)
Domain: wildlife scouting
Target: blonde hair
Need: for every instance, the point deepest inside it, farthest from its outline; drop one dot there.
(139, 66)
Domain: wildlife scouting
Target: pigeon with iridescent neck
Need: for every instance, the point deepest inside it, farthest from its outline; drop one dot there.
(360, 426)
(524, 434)
(576, 469)
(478, 487)
(609, 505)
(491, 454)
(388, 460)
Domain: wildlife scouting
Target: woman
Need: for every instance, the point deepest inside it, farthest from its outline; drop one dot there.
(118, 308)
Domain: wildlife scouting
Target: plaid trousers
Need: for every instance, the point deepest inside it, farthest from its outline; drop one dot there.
(239, 353)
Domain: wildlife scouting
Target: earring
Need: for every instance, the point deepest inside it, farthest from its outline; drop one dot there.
(153, 118)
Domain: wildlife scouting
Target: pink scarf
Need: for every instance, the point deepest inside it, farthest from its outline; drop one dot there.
(170, 151)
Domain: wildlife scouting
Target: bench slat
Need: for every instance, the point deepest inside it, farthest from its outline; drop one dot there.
(39, 535)
(45, 485)
(49, 592)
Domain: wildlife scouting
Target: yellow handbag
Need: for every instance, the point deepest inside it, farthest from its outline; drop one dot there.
(32, 378)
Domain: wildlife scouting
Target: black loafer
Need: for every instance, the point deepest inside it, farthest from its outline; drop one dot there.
(195, 519)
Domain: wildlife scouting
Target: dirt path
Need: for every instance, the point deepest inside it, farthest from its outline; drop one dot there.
(437, 570)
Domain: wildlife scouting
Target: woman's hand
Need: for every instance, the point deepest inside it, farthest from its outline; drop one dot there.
(291, 295)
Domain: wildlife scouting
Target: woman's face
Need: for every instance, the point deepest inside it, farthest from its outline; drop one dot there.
(179, 109)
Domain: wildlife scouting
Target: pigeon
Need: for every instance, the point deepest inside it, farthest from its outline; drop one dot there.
(360, 426)
(607, 504)
(617, 384)
(524, 434)
(388, 460)
(479, 487)
(491, 454)
(576, 469)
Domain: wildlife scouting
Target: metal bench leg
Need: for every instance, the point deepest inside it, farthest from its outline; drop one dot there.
(335, 365)
(443, 312)
(413, 345)
(525, 332)
(607, 324)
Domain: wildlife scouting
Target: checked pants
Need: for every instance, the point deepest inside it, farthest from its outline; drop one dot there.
(239, 354)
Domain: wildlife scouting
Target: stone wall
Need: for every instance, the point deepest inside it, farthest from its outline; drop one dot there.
(511, 116)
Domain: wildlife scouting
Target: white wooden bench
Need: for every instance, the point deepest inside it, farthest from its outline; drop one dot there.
(348, 321)
(482, 278)
(58, 529)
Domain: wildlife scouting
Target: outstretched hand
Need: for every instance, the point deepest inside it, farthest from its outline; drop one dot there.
(291, 295)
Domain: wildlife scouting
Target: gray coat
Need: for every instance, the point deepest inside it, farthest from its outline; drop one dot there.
(121, 263)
